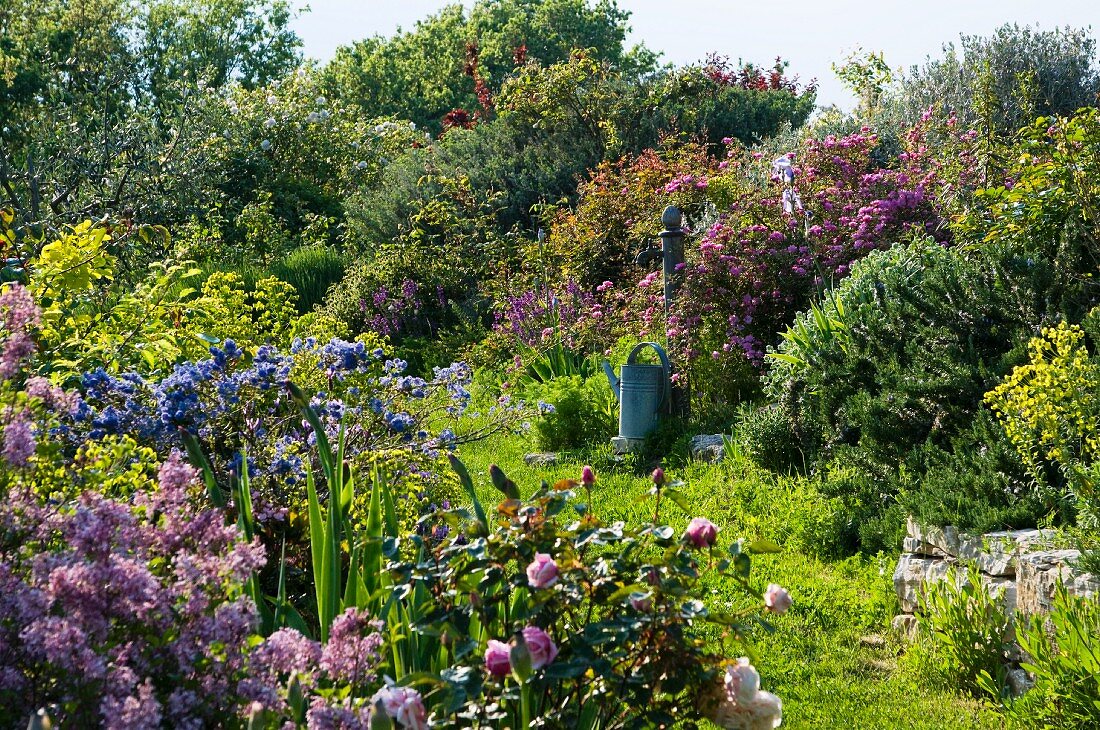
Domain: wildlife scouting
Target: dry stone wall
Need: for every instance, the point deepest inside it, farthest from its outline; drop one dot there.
(1019, 567)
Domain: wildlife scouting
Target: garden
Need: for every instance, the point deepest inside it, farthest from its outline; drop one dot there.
(310, 375)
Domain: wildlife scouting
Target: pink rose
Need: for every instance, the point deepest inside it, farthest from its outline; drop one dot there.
(540, 646)
(742, 681)
(701, 532)
(588, 477)
(658, 476)
(403, 705)
(776, 599)
(543, 572)
(497, 661)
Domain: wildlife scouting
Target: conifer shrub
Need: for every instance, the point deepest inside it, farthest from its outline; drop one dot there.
(884, 384)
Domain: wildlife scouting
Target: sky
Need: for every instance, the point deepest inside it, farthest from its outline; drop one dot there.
(811, 35)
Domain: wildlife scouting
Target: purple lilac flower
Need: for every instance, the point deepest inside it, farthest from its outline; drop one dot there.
(19, 440)
(352, 652)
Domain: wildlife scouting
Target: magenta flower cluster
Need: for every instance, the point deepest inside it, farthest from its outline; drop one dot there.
(773, 249)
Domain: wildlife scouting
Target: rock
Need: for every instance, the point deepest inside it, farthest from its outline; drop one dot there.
(708, 447)
(1038, 576)
(1019, 682)
(1002, 590)
(994, 552)
(913, 573)
(1002, 548)
(873, 641)
(547, 458)
(919, 547)
(905, 625)
(621, 445)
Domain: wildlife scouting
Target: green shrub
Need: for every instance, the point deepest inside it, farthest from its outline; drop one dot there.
(923, 332)
(887, 378)
(977, 483)
(770, 441)
(870, 520)
(583, 412)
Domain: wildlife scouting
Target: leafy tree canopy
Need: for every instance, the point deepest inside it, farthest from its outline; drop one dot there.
(423, 74)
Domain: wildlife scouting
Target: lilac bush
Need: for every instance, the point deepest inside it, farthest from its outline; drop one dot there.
(537, 316)
(123, 614)
(129, 604)
(399, 312)
(338, 676)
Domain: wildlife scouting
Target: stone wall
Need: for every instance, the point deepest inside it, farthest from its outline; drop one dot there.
(1019, 567)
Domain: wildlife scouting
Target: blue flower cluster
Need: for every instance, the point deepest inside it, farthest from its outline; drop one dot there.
(192, 397)
(235, 403)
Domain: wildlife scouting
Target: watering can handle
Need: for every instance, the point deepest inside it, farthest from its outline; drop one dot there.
(664, 363)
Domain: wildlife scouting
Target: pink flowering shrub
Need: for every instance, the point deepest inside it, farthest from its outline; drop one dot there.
(788, 229)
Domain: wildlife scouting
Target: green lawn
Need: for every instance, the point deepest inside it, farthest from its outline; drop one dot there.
(832, 659)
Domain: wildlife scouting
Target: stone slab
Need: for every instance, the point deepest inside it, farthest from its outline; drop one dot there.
(622, 445)
(994, 552)
(1039, 574)
(905, 625)
(913, 574)
(708, 447)
(546, 458)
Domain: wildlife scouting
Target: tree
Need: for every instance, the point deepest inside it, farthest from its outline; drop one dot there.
(96, 97)
(423, 74)
(1007, 79)
(215, 42)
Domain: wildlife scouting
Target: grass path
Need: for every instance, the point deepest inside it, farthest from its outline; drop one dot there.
(832, 659)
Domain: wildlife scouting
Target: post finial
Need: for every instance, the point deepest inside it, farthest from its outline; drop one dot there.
(672, 218)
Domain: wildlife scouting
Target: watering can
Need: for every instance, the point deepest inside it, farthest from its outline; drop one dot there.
(642, 390)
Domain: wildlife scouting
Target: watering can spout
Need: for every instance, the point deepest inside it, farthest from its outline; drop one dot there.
(611, 378)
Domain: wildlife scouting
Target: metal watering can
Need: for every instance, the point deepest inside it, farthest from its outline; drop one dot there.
(642, 390)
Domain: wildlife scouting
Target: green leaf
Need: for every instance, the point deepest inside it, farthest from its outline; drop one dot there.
(763, 547)
(742, 565)
(468, 485)
(317, 542)
(520, 657)
(324, 448)
(372, 550)
(503, 483)
(198, 459)
(679, 499)
(623, 593)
